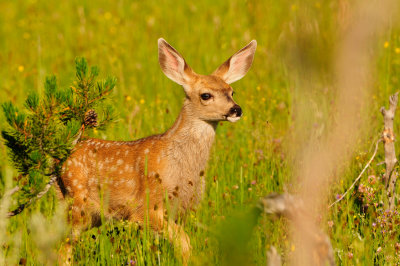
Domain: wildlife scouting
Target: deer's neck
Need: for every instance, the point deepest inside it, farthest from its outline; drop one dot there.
(190, 139)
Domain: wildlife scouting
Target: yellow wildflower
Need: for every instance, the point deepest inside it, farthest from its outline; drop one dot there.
(386, 45)
(26, 35)
(107, 15)
(21, 68)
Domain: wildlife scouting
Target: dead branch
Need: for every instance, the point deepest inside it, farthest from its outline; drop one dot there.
(390, 153)
(274, 259)
(53, 179)
(12, 191)
(359, 176)
(22, 207)
(293, 208)
(78, 136)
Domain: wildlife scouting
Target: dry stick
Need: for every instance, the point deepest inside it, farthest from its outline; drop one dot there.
(293, 209)
(359, 176)
(12, 191)
(53, 179)
(273, 257)
(390, 153)
(32, 200)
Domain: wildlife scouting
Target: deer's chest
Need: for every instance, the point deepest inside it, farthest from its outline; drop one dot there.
(185, 181)
(185, 187)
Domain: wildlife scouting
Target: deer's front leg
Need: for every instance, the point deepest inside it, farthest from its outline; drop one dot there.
(174, 233)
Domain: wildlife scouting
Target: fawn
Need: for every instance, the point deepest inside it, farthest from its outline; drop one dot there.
(137, 178)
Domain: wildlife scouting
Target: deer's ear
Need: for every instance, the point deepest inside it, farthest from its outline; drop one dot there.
(172, 63)
(238, 64)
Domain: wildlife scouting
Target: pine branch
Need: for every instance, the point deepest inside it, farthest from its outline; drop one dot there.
(42, 137)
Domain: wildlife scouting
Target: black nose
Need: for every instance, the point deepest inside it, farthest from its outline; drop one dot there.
(236, 110)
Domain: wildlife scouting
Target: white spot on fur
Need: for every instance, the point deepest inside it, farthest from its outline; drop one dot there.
(146, 151)
(69, 163)
(126, 152)
(75, 182)
(130, 182)
(138, 164)
(120, 162)
(113, 168)
(69, 174)
(118, 152)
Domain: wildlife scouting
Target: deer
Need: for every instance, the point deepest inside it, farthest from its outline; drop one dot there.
(139, 178)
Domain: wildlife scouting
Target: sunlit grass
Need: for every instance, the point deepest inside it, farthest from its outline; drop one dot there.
(249, 159)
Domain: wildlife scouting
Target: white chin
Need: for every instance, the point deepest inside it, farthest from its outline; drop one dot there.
(233, 119)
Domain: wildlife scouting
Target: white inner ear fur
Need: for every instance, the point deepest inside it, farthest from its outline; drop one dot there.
(239, 64)
(171, 63)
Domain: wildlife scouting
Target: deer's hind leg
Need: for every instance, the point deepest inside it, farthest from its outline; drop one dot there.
(81, 211)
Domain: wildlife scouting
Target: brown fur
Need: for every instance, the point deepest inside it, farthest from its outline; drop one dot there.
(133, 179)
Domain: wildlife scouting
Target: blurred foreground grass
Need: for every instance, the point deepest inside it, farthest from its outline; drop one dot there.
(249, 158)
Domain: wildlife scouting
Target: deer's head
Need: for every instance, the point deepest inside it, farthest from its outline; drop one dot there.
(210, 96)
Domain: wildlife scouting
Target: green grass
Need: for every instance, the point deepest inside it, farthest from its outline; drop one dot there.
(296, 40)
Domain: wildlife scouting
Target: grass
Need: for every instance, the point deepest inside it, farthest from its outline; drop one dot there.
(249, 159)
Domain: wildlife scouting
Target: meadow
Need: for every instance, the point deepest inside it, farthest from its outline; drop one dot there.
(286, 98)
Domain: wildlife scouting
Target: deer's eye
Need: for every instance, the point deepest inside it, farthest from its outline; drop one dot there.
(205, 96)
(233, 93)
